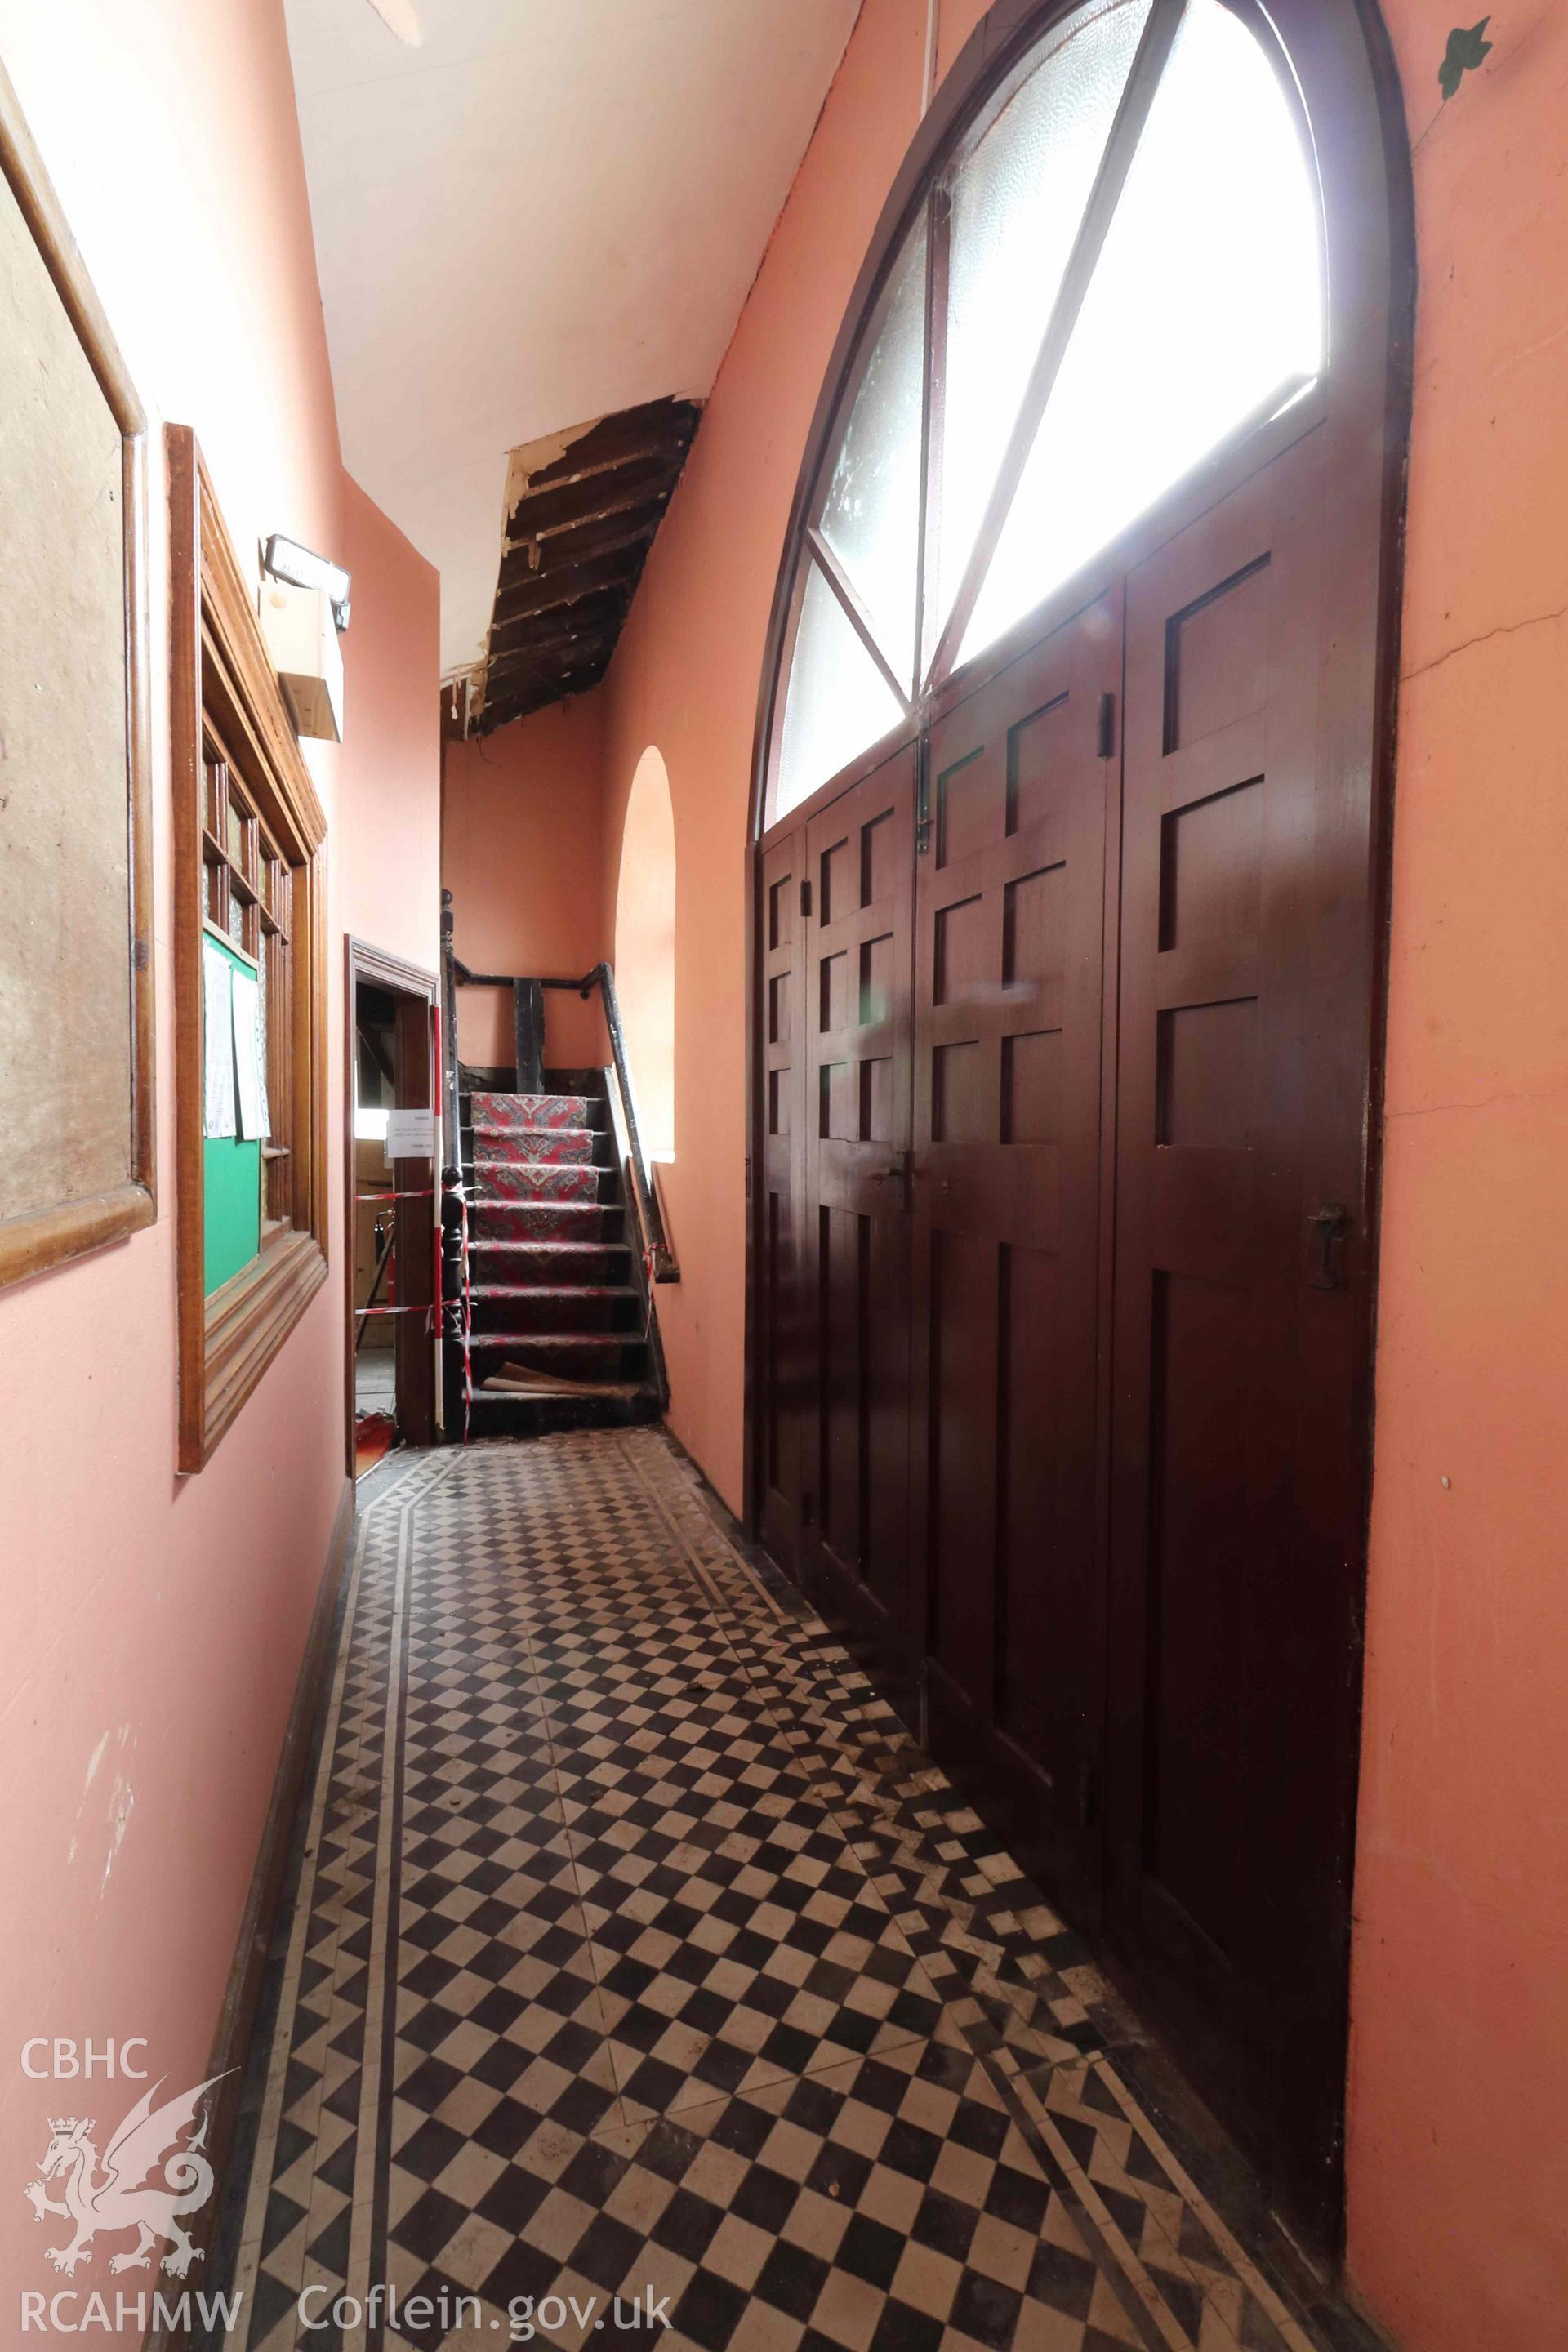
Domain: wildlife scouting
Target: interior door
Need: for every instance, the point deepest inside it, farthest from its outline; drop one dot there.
(1240, 1249)
(859, 859)
(1009, 927)
(787, 1340)
(1084, 1274)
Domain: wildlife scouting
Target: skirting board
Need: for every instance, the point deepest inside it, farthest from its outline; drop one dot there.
(242, 1994)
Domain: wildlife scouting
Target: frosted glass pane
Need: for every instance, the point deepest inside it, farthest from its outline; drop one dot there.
(1208, 295)
(837, 702)
(1017, 202)
(871, 519)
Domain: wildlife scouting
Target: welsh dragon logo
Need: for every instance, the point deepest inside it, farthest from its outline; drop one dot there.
(122, 2196)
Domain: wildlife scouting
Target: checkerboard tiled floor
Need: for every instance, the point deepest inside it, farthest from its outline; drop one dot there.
(636, 1953)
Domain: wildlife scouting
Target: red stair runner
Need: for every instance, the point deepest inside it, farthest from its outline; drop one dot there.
(549, 1268)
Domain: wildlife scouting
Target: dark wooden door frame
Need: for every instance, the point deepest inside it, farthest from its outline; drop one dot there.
(1340, 52)
(415, 1066)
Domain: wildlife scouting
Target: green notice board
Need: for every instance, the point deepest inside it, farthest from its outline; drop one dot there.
(232, 1182)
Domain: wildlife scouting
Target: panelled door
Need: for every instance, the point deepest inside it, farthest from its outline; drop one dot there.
(1009, 932)
(1082, 1276)
(855, 1506)
(783, 1396)
(1239, 1245)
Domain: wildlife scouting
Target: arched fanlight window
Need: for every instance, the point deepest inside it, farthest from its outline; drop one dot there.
(1118, 268)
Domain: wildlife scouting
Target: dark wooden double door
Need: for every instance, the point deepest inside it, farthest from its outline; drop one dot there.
(1061, 1235)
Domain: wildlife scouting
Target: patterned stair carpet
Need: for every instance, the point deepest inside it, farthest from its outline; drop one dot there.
(634, 1950)
(551, 1287)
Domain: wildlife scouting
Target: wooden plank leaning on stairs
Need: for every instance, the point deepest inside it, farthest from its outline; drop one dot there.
(516, 1380)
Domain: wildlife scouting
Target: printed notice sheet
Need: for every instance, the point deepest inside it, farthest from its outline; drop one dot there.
(410, 1134)
(217, 1040)
(249, 1070)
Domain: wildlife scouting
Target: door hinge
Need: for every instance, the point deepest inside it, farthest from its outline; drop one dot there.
(1088, 1795)
(806, 898)
(923, 796)
(1107, 725)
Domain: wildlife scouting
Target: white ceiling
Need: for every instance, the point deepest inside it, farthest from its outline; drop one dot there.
(549, 210)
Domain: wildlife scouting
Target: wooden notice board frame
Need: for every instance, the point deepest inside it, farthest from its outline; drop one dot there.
(52, 1231)
(222, 682)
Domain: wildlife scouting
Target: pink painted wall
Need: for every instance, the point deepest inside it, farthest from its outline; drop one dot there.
(388, 850)
(151, 1626)
(1459, 2153)
(1458, 2157)
(522, 855)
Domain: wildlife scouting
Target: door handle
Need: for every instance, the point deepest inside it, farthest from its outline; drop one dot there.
(899, 1174)
(1331, 1225)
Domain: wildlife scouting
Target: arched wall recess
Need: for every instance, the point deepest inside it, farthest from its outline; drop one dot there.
(1071, 798)
(645, 949)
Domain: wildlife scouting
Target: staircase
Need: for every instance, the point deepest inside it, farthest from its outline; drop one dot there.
(553, 1285)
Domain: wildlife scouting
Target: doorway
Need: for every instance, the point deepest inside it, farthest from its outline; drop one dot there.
(1071, 810)
(1063, 1266)
(393, 1068)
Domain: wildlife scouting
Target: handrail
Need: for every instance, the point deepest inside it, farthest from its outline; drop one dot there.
(467, 979)
(661, 1258)
(455, 1310)
(452, 1152)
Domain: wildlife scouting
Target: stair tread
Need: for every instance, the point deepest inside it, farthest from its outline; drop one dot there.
(606, 1265)
(528, 1214)
(557, 1249)
(496, 1386)
(616, 1400)
(597, 1342)
(481, 1162)
(484, 1127)
(551, 1290)
(499, 1095)
(569, 1204)
(550, 1113)
(555, 1169)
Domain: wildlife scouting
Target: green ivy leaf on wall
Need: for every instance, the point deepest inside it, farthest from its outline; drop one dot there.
(1466, 48)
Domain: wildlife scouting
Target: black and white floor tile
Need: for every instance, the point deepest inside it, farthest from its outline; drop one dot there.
(637, 1952)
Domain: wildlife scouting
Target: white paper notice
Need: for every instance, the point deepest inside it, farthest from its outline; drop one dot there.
(217, 1040)
(410, 1134)
(254, 1123)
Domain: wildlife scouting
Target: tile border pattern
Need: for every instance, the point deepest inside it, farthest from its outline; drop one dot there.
(1027, 2033)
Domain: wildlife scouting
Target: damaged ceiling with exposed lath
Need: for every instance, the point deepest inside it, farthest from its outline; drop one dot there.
(528, 212)
(581, 508)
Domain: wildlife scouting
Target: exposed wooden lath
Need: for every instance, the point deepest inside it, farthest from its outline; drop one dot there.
(583, 509)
